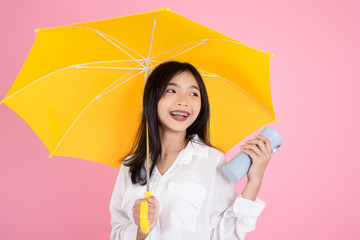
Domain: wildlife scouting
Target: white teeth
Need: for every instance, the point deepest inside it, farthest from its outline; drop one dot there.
(180, 114)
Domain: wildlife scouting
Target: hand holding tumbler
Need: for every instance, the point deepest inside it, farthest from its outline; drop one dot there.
(238, 167)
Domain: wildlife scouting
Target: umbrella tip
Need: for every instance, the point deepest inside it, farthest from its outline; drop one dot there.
(37, 29)
(50, 156)
(277, 120)
(1, 101)
(167, 9)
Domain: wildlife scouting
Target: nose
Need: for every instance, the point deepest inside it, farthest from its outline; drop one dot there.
(182, 100)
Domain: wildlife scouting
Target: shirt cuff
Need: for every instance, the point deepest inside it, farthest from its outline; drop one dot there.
(243, 206)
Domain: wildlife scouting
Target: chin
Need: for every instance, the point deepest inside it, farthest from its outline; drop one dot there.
(177, 128)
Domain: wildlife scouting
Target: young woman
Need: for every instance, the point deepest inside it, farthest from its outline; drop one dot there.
(191, 198)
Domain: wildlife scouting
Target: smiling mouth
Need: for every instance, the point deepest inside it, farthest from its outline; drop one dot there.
(179, 117)
(179, 114)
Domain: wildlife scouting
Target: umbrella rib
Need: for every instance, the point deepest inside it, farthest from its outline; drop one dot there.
(240, 43)
(73, 66)
(127, 60)
(37, 81)
(102, 34)
(151, 38)
(124, 46)
(102, 92)
(202, 42)
(213, 39)
(105, 36)
(97, 97)
(209, 74)
(82, 65)
(109, 67)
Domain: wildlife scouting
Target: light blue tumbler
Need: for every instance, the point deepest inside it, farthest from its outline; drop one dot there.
(238, 167)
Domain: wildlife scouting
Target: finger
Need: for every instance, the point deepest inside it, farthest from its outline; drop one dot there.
(261, 151)
(151, 210)
(259, 147)
(251, 153)
(140, 200)
(267, 143)
(151, 204)
(151, 213)
(151, 198)
(154, 202)
(254, 148)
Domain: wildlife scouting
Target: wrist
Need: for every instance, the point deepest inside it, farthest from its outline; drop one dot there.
(141, 235)
(255, 183)
(251, 190)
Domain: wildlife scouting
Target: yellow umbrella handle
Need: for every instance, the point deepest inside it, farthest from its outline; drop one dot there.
(144, 224)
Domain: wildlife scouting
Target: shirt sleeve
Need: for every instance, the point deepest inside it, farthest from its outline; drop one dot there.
(231, 216)
(122, 227)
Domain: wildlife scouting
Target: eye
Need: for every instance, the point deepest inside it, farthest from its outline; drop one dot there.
(174, 91)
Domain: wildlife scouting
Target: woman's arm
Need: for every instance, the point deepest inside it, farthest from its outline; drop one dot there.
(141, 235)
(251, 191)
(122, 227)
(242, 214)
(232, 216)
(260, 152)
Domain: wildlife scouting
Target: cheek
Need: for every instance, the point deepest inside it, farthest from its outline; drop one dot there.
(197, 107)
(159, 109)
(161, 106)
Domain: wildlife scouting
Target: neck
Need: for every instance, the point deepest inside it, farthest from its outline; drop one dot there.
(172, 143)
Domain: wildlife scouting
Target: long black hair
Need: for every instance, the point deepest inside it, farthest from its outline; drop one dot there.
(154, 89)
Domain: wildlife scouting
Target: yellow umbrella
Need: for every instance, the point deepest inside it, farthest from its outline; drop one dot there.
(80, 89)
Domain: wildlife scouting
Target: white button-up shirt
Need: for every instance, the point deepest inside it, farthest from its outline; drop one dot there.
(196, 200)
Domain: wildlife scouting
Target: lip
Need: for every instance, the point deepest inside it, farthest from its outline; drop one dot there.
(179, 119)
(180, 111)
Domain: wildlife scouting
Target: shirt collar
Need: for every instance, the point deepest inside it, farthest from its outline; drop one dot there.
(194, 147)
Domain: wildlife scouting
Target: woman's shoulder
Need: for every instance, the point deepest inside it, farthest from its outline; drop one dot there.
(215, 155)
(213, 151)
(123, 167)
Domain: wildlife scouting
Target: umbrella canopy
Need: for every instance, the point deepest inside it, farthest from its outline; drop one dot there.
(80, 89)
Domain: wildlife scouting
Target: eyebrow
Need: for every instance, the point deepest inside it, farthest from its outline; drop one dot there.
(176, 85)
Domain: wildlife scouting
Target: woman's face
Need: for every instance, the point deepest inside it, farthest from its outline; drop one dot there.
(181, 94)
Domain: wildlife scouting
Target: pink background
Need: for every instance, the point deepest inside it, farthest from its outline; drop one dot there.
(310, 184)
